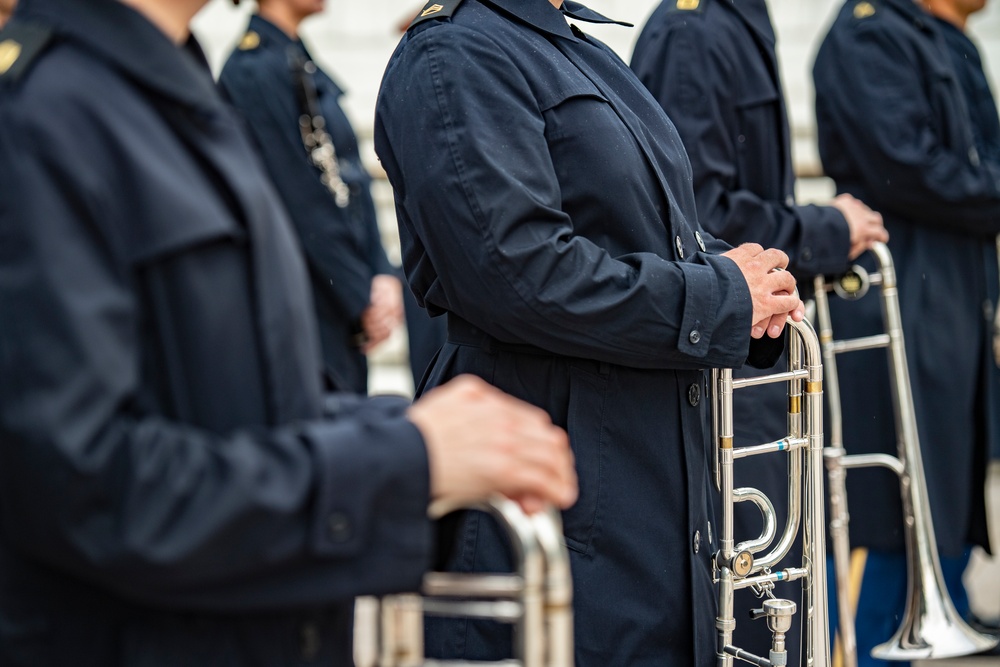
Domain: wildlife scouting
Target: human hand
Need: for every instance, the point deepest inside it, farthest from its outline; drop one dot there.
(384, 312)
(865, 224)
(480, 441)
(772, 289)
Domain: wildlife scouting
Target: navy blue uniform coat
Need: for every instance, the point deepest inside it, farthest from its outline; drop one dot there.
(174, 487)
(545, 204)
(895, 131)
(714, 70)
(342, 246)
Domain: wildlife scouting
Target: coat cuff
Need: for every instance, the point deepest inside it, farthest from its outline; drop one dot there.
(825, 242)
(374, 485)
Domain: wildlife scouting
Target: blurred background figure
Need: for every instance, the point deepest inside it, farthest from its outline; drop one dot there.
(6, 9)
(713, 67)
(906, 121)
(273, 81)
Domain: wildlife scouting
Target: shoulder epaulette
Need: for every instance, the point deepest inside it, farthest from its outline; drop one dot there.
(863, 9)
(688, 6)
(21, 43)
(250, 41)
(435, 9)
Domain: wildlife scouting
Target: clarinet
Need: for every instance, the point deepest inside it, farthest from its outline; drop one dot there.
(312, 126)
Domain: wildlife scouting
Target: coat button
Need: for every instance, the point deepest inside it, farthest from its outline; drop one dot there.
(694, 395)
(680, 247)
(694, 337)
(696, 542)
(339, 526)
(789, 200)
(807, 254)
(309, 641)
(701, 241)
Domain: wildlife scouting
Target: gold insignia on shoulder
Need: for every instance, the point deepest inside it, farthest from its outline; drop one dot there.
(10, 51)
(433, 9)
(688, 4)
(250, 41)
(863, 10)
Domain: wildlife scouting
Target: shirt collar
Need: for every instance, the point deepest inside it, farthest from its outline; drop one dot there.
(129, 42)
(541, 15)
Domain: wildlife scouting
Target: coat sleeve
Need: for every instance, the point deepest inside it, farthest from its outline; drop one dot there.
(877, 123)
(94, 483)
(461, 136)
(264, 96)
(690, 70)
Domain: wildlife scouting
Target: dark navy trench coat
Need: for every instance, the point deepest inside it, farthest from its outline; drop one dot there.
(545, 204)
(174, 487)
(714, 70)
(895, 130)
(342, 246)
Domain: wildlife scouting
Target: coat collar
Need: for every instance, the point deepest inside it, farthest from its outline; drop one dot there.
(541, 15)
(914, 12)
(754, 13)
(270, 34)
(129, 42)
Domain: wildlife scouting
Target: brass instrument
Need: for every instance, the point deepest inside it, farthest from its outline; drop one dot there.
(537, 599)
(736, 565)
(931, 627)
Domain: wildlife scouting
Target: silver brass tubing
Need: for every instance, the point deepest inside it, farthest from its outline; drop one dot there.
(536, 600)
(716, 410)
(736, 568)
(768, 379)
(931, 627)
(857, 344)
(504, 611)
(767, 512)
(783, 445)
(873, 460)
(725, 622)
(558, 589)
(747, 656)
(441, 584)
(788, 574)
(834, 456)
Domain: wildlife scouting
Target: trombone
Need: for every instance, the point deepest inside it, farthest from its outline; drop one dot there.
(736, 565)
(537, 599)
(931, 627)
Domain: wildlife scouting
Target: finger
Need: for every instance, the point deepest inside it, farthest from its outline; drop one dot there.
(799, 312)
(774, 258)
(777, 324)
(781, 281)
(546, 488)
(782, 304)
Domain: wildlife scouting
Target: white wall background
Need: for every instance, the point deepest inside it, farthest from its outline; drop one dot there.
(353, 40)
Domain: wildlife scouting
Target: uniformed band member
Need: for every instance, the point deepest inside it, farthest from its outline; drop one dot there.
(545, 205)
(175, 488)
(713, 67)
(906, 122)
(358, 299)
